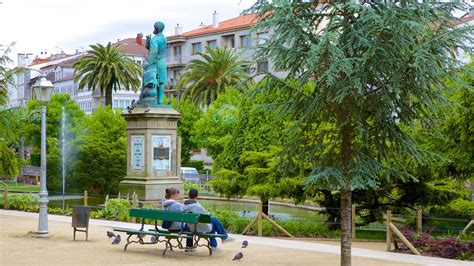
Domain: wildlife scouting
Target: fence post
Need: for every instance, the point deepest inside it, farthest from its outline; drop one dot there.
(85, 197)
(389, 232)
(134, 204)
(353, 221)
(419, 225)
(259, 219)
(5, 198)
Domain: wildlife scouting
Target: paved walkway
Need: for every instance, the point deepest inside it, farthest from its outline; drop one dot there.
(280, 243)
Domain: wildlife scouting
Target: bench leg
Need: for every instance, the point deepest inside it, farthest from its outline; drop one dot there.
(128, 243)
(167, 245)
(209, 246)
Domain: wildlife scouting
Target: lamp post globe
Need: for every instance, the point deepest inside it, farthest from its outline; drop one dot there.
(42, 89)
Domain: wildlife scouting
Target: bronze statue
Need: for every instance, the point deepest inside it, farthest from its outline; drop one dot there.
(154, 69)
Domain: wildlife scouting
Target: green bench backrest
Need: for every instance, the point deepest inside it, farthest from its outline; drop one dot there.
(154, 214)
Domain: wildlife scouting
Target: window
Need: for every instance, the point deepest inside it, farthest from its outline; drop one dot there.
(176, 74)
(262, 38)
(196, 48)
(262, 66)
(229, 41)
(212, 44)
(245, 41)
(177, 51)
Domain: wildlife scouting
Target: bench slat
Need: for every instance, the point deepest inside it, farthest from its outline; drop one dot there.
(136, 232)
(191, 218)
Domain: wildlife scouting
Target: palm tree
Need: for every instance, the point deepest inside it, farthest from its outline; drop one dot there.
(106, 68)
(207, 77)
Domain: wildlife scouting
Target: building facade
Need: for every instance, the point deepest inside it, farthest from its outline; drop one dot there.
(59, 70)
(235, 34)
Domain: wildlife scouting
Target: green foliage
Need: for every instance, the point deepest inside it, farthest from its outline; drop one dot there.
(100, 158)
(209, 76)
(190, 113)
(214, 128)
(31, 131)
(7, 75)
(23, 202)
(106, 68)
(116, 209)
(458, 208)
(188, 186)
(9, 165)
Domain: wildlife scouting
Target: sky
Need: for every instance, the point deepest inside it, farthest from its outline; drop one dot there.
(67, 25)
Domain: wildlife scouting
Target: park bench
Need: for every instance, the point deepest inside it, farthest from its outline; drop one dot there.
(166, 236)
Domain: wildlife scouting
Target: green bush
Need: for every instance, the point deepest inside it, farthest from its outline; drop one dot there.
(188, 186)
(116, 209)
(59, 210)
(23, 202)
(457, 208)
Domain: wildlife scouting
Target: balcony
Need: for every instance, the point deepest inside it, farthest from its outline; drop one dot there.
(175, 61)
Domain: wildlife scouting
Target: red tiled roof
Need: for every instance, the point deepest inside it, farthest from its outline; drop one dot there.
(244, 21)
(38, 61)
(129, 46)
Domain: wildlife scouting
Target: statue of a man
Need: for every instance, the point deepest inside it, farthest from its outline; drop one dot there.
(154, 69)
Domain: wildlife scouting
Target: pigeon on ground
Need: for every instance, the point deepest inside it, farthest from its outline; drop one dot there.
(245, 243)
(154, 239)
(110, 234)
(147, 110)
(238, 256)
(117, 240)
(141, 235)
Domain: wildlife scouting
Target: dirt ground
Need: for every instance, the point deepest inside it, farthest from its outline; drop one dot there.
(19, 248)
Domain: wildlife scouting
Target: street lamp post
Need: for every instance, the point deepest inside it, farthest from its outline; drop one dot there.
(42, 90)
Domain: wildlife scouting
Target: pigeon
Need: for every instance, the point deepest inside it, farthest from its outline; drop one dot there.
(154, 239)
(245, 243)
(110, 234)
(147, 110)
(141, 235)
(238, 256)
(117, 240)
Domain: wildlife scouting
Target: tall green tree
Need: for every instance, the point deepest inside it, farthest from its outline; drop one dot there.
(100, 158)
(108, 69)
(30, 130)
(207, 77)
(190, 114)
(374, 65)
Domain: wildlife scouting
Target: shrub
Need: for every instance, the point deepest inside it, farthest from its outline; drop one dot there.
(24, 202)
(199, 165)
(188, 186)
(448, 247)
(116, 209)
(457, 208)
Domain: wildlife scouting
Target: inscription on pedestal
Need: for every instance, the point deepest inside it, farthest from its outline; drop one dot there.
(161, 145)
(138, 152)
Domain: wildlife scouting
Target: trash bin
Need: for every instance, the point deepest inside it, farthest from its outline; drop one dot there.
(80, 219)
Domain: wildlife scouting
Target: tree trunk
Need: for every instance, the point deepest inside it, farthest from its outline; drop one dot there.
(108, 97)
(346, 194)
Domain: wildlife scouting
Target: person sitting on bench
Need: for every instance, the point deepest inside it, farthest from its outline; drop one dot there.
(191, 205)
(170, 203)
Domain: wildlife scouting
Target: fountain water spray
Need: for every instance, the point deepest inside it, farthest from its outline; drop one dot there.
(63, 153)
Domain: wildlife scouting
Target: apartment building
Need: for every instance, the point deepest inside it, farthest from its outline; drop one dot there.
(234, 33)
(59, 70)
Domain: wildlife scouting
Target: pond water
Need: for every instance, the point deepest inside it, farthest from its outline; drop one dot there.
(244, 209)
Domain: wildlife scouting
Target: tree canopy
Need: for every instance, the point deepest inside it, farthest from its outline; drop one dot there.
(372, 66)
(106, 68)
(206, 77)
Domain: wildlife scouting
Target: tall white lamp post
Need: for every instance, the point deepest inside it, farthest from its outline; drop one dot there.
(42, 90)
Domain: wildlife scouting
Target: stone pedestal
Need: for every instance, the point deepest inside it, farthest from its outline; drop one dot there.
(153, 153)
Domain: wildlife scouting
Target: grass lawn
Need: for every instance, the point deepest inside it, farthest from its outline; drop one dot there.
(12, 186)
